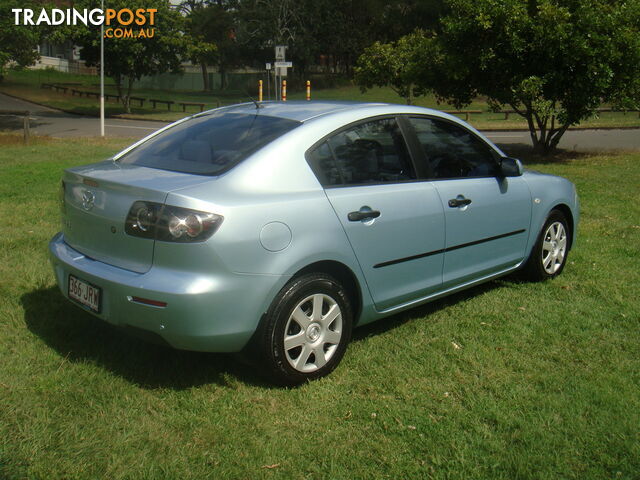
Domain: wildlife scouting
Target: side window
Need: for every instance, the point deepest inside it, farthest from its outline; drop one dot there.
(324, 165)
(371, 152)
(452, 151)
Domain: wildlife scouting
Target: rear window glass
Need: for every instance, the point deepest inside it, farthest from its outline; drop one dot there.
(209, 144)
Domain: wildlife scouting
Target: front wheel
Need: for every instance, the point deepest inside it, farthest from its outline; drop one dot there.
(307, 329)
(549, 255)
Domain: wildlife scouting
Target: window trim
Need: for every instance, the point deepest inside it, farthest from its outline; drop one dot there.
(403, 132)
(423, 158)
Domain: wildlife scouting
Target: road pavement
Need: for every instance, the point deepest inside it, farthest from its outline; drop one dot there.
(47, 121)
(579, 140)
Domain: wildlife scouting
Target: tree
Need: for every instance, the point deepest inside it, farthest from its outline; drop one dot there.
(201, 47)
(18, 43)
(398, 65)
(129, 59)
(554, 62)
(338, 30)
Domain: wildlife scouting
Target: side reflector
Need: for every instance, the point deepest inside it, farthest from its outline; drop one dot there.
(147, 301)
(89, 182)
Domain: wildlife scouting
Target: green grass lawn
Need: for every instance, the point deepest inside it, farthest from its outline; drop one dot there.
(544, 384)
(26, 84)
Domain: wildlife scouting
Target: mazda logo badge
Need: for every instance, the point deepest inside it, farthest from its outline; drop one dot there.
(88, 199)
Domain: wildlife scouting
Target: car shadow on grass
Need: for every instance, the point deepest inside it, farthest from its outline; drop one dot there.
(79, 337)
(419, 313)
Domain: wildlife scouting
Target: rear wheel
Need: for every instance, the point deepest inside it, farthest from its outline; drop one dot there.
(306, 330)
(549, 255)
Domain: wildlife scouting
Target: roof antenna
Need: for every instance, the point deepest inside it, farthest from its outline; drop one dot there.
(258, 106)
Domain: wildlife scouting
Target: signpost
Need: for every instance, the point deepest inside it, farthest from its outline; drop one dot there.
(102, 76)
(280, 69)
(268, 68)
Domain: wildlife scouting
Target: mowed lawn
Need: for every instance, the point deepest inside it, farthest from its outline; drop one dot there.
(510, 380)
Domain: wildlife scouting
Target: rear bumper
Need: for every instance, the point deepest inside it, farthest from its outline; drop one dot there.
(217, 312)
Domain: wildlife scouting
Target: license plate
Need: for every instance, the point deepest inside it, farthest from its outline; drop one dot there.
(84, 293)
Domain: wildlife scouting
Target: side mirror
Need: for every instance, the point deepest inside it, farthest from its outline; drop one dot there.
(510, 167)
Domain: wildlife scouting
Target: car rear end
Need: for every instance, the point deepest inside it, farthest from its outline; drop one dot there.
(139, 251)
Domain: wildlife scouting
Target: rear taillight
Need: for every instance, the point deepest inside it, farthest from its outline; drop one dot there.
(170, 224)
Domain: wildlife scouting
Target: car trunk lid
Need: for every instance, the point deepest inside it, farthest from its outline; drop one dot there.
(97, 199)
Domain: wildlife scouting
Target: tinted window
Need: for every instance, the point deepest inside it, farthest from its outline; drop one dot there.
(324, 165)
(209, 144)
(372, 152)
(452, 151)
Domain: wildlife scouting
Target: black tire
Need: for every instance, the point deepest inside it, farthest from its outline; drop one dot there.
(277, 360)
(540, 265)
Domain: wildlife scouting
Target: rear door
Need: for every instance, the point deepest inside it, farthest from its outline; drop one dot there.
(393, 221)
(487, 217)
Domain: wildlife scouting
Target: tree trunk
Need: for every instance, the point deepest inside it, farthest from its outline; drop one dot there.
(223, 76)
(557, 135)
(543, 139)
(409, 97)
(126, 100)
(205, 76)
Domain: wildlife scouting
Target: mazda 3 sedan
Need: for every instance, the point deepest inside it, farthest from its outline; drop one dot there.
(276, 228)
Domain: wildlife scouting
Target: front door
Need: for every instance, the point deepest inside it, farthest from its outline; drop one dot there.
(487, 217)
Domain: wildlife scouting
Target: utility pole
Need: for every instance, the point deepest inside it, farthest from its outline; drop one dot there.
(102, 75)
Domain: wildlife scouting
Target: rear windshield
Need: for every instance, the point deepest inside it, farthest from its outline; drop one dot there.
(210, 144)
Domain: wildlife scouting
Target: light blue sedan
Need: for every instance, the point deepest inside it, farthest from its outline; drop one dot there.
(276, 228)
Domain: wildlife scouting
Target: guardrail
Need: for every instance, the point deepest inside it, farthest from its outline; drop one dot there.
(25, 114)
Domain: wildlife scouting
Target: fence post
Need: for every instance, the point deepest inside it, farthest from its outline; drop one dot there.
(259, 90)
(27, 129)
(284, 90)
(308, 90)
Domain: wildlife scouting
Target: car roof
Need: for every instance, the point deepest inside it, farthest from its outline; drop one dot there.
(302, 111)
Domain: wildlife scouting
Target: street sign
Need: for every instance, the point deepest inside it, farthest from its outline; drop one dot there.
(283, 64)
(280, 50)
(268, 66)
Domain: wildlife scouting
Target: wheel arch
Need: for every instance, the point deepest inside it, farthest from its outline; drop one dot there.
(344, 275)
(568, 214)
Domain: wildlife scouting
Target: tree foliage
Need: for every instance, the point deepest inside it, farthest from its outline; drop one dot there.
(129, 59)
(18, 43)
(330, 32)
(201, 45)
(399, 65)
(552, 61)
